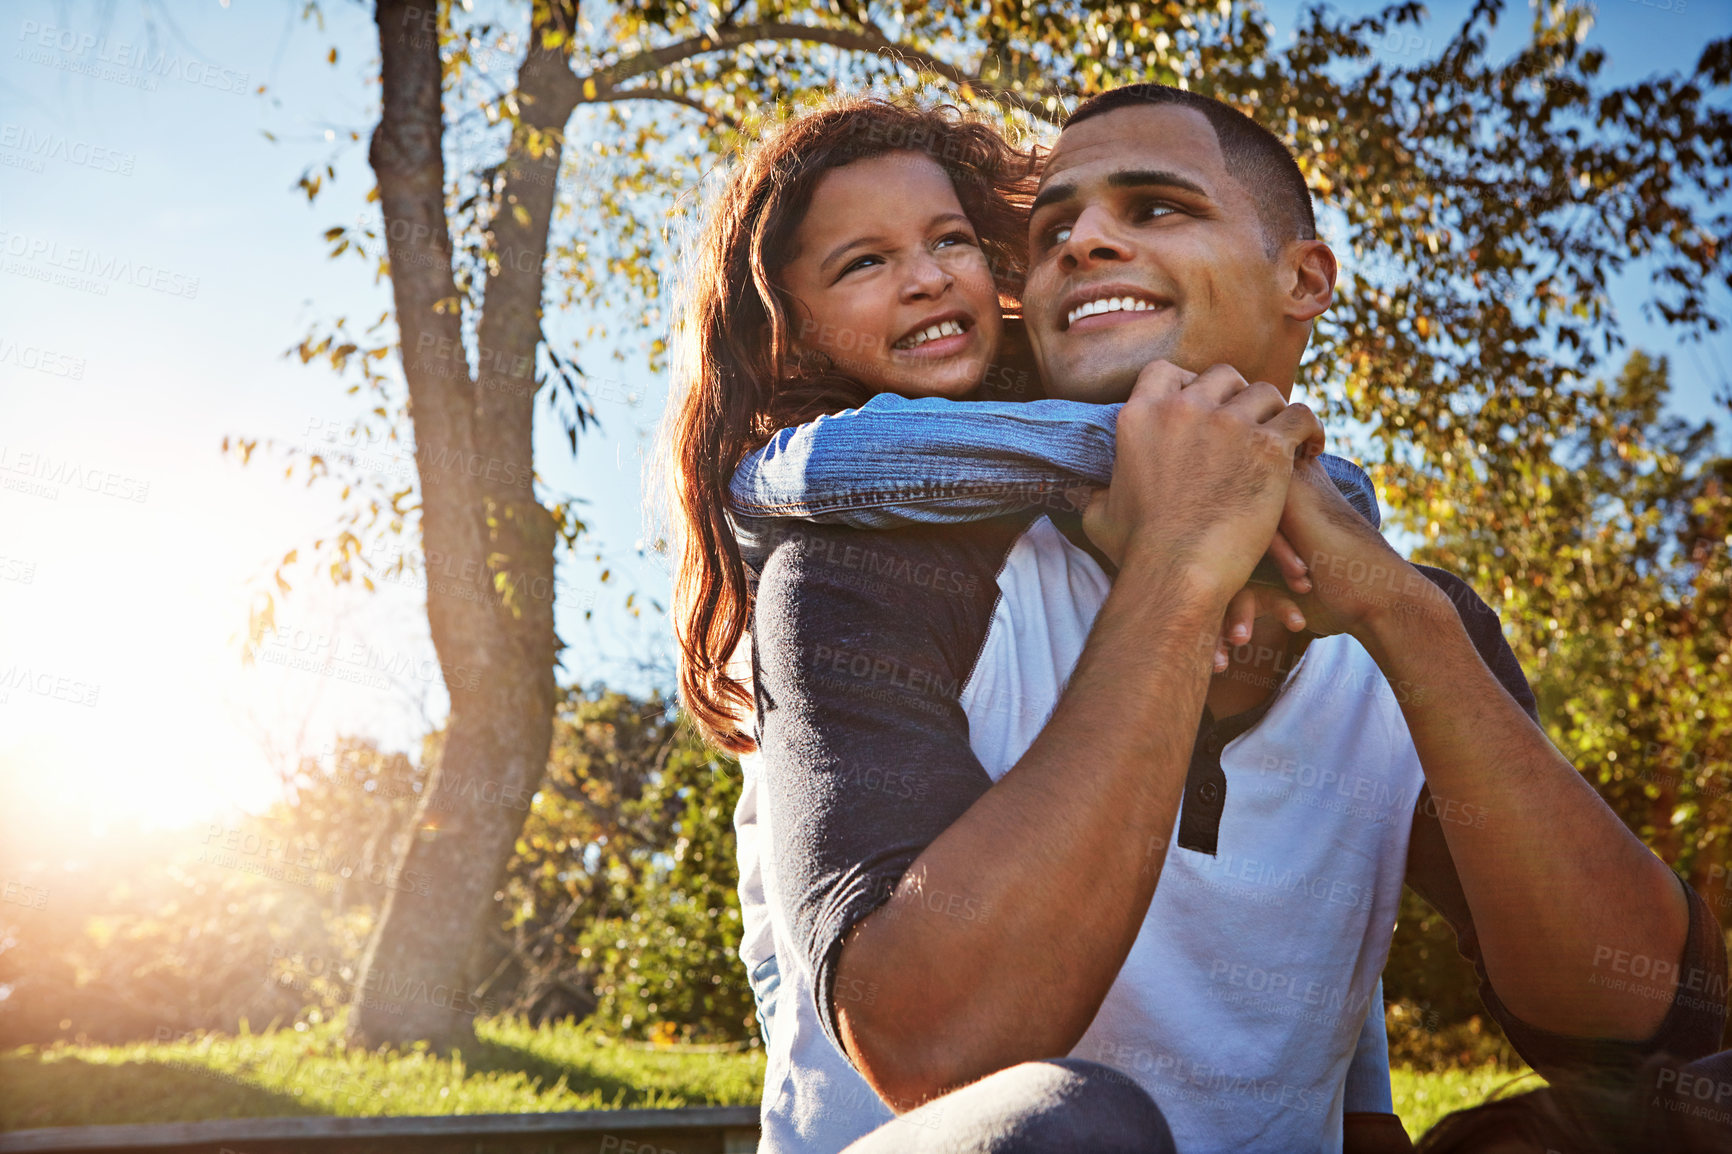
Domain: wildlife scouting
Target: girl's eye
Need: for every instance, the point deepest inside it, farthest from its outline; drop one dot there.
(956, 238)
(859, 262)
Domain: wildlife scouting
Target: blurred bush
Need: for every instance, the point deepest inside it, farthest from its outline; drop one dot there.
(622, 898)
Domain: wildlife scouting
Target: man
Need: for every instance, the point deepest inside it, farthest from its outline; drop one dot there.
(1092, 845)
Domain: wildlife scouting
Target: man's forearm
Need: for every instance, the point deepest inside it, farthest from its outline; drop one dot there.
(1063, 854)
(1556, 883)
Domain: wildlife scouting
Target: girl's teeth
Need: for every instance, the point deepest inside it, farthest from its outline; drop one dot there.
(944, 329)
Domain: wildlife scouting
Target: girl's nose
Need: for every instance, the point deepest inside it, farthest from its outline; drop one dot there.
(926, 277)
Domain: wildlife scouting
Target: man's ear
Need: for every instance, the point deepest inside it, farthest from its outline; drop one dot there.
(1310, 287)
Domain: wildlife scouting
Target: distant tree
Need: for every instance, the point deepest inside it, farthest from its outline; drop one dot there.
(667, 964)
(260, 920)
(1611, 560)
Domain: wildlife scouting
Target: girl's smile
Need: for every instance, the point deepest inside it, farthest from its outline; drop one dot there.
(889, 280)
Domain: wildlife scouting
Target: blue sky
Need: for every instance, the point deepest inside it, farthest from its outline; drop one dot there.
(157, 263)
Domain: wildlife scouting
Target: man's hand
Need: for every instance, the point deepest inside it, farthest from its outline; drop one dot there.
(1281, 560)
(1358, 581)
(1258, 598)
(1202, 471)
(1255, 600)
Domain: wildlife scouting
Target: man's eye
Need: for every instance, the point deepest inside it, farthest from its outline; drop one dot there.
(1157, 208)
(1058, 235)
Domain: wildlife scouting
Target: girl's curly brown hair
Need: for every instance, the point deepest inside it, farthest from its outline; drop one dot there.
(742, 379)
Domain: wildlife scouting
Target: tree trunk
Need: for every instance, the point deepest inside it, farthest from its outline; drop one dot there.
(488, 542)
(483, 531)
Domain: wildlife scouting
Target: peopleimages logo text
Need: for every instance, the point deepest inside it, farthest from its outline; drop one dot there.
(53, 146)
(41, 466)
(96, 264)
(89, 48)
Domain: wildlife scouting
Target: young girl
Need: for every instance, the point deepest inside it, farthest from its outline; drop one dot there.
(851, 286)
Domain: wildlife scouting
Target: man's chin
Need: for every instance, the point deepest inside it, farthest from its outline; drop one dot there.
(1099, 382)
(1101, 368)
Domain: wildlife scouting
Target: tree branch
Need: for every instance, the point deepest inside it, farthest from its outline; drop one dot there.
(711, 116)
(606, 80)
(510, 325)
(407, 157)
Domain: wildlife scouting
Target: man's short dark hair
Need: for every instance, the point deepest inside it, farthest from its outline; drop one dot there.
(1255, 157)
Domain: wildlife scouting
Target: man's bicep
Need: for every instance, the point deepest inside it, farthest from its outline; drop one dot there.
(1691, 1028)
(865, 746)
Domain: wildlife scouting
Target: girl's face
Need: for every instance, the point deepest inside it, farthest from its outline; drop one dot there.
(889, 280)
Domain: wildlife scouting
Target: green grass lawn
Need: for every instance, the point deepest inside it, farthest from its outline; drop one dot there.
(1422, 1098)
(517, 1069)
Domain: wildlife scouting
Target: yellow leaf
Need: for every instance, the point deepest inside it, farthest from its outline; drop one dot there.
(589, 89)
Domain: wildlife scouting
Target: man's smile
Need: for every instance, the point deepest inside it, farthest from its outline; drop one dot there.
(1103, 306)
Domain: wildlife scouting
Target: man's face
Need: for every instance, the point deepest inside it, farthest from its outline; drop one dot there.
(1142, 247)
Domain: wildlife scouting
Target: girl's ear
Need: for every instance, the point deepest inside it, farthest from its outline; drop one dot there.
(1309, 270)
(799, 319)
(800, 358)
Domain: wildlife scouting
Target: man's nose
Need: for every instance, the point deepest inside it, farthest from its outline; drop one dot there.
(925, 278)
(1092, 239)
